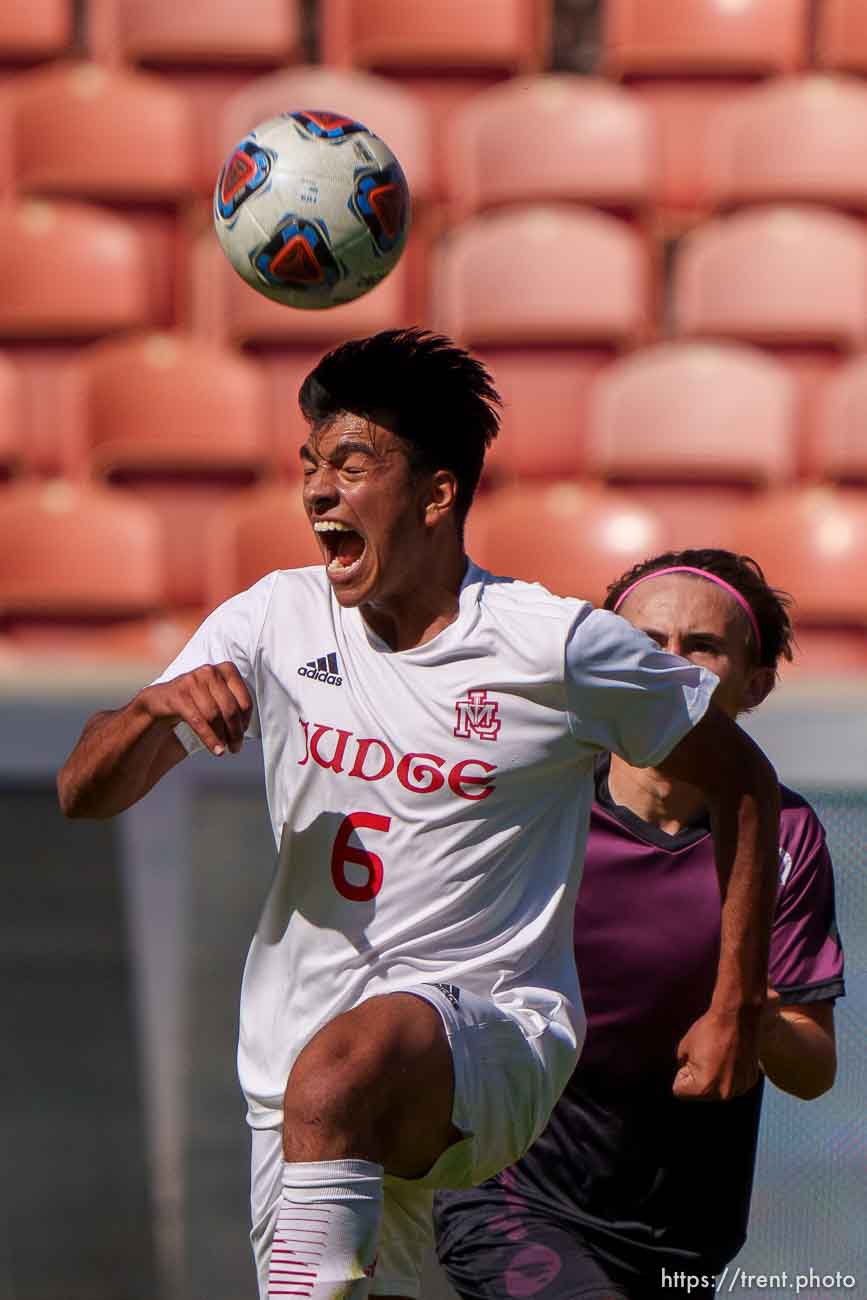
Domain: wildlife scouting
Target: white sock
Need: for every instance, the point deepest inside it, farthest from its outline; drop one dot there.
(327, 1231)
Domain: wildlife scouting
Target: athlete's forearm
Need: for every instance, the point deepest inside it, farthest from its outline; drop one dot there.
(743, 795)
(798, 1054)
(109, 769)
(745, 827)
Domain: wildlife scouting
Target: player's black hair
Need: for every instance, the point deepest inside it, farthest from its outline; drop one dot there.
(769, 605)
(433, 394)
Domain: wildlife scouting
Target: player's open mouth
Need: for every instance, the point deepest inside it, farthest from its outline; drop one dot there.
(344, 548)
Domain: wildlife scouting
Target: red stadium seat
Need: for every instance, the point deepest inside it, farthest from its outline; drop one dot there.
(199, 32)
(779, 275)
(81, 129)
(181, 425)
(543, 275)
(169, 403)
(127, 141)
(599, 146)
(573, 539)
(840, 450)
(82, 573)
(77, 552)
(687, 59)
(39, 29)
(445, 52)
(677, 37)
(502, 34)
(693, 412)
(793, 139)
(547, 295)
(791, 279)
(841, 36)
(68, 271)
(811, 542)
(259, 531)
(694, 431)
(207, 49)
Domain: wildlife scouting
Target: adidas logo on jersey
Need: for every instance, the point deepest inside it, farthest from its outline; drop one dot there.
(325, 669)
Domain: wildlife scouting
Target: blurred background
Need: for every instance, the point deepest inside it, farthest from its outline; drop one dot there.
(648, 217)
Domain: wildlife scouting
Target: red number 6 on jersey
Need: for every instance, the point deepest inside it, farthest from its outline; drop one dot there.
(344, 852)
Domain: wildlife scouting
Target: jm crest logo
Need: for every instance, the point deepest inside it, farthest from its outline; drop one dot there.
(477, 716)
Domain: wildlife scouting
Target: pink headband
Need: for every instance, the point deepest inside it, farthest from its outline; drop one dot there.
(700, 573)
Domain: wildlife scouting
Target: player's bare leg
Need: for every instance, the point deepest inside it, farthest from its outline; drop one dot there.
(376, 1083)
(371, 1093)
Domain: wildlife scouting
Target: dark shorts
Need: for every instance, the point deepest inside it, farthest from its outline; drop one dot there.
(510, 1256)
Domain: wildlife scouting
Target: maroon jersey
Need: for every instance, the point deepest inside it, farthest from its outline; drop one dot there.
(643, 1178)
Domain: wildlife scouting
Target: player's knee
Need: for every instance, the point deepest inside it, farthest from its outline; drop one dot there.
(361, 1079)
(334, 1094)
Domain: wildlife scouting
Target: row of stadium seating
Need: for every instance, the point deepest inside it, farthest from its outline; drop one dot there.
(687, 412)
(549, 295)
(123, 271)
(129, 137)
(87, 568)
(682, 59)
(639, 37)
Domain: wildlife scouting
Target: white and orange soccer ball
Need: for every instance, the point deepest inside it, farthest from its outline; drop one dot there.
(312, 209)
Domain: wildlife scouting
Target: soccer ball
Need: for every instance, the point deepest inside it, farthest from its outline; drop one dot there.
(312, 209)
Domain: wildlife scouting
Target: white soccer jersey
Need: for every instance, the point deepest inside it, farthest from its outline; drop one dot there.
(430, 806)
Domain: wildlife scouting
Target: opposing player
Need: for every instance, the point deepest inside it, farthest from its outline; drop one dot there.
(410, 1010)
(629, 1184)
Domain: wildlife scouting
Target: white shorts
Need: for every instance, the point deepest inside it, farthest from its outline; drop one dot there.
(498, 1104)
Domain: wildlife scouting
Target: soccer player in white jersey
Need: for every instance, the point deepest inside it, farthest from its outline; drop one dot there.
(410, 1010)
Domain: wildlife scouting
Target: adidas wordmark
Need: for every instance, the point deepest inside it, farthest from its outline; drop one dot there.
(324, 669)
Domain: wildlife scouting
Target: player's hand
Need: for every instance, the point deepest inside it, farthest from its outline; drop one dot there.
(212, 700)
(718, 1056)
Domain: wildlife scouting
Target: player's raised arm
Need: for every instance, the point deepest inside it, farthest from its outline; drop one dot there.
(121, 754)
(205, 699)
(719, 1056)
